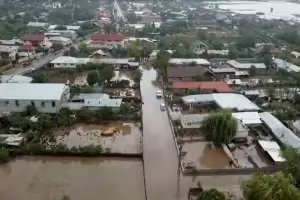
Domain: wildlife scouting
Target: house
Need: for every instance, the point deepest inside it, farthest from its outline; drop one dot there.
(36, 39)
(93, 101)
(47, 98)
(107, 41)
(282, 64)
(273, 150)
(189, 61)
(69, 62)
(202, 86)
(15, 79)
(73, 28)
(98, 54)
(38, 24)
(60, 40)
(224, 72)
(154, 53)
(12, 42)
(8, 52)
(295, 54)
(198, 47)
(231, 101)
(64, 33)
(187, 73)
(246, 66)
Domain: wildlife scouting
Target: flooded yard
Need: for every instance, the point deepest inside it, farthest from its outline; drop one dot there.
(49, 178)
(203, 156)
(118, 137)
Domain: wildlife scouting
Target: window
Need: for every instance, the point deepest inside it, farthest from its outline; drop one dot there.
(43, 104)
(32, 103)
(53, 103)
(17, 103)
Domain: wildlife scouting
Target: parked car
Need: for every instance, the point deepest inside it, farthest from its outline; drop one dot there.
(159, 93)
(162, 106)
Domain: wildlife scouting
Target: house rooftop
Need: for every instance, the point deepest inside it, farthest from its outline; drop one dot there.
(238, 65)
(8, 49)
(31, 91)
(70, 60)
(181, 61)
(52, 27)
(247, 118)
(281, 132)
(15, 79)
(216, 86)
(223, 100)
(188, 71)
(107, 37)
(33, 37)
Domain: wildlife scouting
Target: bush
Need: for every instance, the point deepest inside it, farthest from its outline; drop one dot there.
(4, 155)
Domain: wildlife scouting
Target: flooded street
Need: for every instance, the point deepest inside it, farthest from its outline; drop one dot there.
(49, 178)
(160, 157)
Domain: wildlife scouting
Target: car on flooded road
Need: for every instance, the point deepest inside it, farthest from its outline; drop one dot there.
(159, 93)
(162, 106)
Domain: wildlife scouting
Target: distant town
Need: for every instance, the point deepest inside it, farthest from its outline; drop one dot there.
(156, 100)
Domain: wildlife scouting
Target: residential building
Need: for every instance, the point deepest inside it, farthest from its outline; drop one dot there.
(98, 54)
(282, 64)
(64, 33)
(47, 98)
(73, 28)
(189, 61)
(69, 62)
(38, 24)
(296, 54)
(60, 40)
(15, 79)
(231, 101)
(93, 101)
(8, 52)
(202, 86)
(188, 73)
(198, 47)
(224, 72)
(246, 66)
(107, 41)
(36, 39)
(12, 42)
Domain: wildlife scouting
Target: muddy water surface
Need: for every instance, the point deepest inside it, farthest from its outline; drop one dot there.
(49, 178)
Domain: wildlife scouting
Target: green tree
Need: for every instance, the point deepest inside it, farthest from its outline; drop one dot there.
(268, 61)
(162, 62)
(211, 194)
(30, 110)
(125, 109)
(265, 187)
(292, 164)
(107, 73)
(4, 155)
(106, 113)
(233, 54)
(252, 70)
(219, 127)
(137, 77)
(92, 78)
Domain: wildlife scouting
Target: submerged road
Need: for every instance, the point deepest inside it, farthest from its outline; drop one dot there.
(160, 156)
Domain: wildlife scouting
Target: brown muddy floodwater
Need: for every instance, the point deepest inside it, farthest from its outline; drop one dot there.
(49, 178)
(126, 139)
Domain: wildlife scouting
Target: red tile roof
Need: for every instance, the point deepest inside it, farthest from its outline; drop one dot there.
(217, 86)
(107, 37)
(34, 37)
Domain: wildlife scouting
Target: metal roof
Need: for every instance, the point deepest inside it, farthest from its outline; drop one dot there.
(31, 91)
(180, 61)
(70, 60)
(238, 65)
(15, 79)
(247, 117)
(273, 149)
(282, 133)
(223, 100)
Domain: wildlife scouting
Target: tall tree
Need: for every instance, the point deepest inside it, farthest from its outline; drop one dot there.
(211, 194)
(92, 78)
(292, 164)
(220, 127)
(266, 187)
(107, 73)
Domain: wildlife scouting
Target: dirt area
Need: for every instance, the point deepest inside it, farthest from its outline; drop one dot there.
(204, 156)
(80, 80)
(250, 157)
(118, 137)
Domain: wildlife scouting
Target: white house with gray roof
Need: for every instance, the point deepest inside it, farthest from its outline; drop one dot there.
(47, 98)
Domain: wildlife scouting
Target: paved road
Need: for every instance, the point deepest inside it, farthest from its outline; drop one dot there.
(160, 156)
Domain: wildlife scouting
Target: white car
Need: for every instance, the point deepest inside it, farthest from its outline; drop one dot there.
(162, 106)
(159, 93)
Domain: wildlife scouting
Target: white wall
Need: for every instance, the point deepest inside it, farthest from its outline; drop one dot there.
(47, 107)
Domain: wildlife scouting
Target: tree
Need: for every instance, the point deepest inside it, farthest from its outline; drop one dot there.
(292, 164)
(266, 187)
(92, 78)
(107, 73)
(4, 155)
(252, 70)
(233, 54)
(82, 47)
(219, 127)
(106, 113)
(211, 194)
(162, 62)
(30, 110)
(137, 77)
(57, 46)
(40, 78)
(268, 61)
(125, 109)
